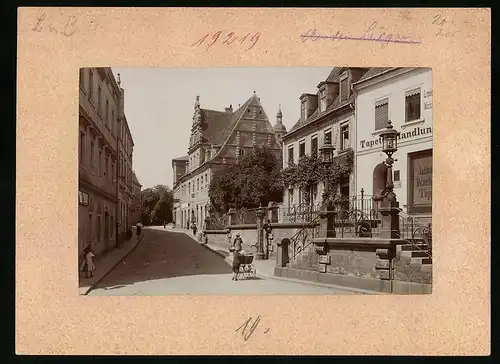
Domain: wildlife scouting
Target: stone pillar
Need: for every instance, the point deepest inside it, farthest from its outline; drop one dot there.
(230, 216)
(389, 209)
(282, 257)
(327, 220)
(260, 255)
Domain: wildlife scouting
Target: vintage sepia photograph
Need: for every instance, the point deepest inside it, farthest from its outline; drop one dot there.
(255, 180)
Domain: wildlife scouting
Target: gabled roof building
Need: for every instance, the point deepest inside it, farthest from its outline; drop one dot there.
(217, 138)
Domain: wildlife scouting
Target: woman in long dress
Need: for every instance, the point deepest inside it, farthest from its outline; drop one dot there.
(237, 245)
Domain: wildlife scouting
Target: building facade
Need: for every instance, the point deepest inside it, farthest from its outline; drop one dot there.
(403, 96)
(136, 199)
(326, 116)
(100, 155)
(217, 138)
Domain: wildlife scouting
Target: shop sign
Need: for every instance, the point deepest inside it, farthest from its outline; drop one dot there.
(422, 181)
(416, 132)
(83, 198)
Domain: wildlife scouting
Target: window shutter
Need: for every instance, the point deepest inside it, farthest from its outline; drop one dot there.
(381, 114)
(343, 89)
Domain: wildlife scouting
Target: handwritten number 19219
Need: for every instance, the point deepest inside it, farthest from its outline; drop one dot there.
(228, 39)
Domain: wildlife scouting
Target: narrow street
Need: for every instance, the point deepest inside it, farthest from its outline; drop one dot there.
(167, 262)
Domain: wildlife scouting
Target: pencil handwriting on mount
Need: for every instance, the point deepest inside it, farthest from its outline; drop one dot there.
(228, 39)
(67, 28)
(373, 33)
(445, 27)
(246, 331)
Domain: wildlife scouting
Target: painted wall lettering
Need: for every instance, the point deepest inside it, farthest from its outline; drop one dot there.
(422, 181)
(417, 131)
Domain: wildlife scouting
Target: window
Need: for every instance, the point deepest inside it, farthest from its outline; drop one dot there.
(113, 122)
(290, 155)
(100, 163)
(113, 172)
(344, 89)
(420, 182)
(381, 114)
(90, 228)
(197, 184)
(344, 139)
(99, 95)
(412, 105)
(241, 152)
(98, 228)
(189, 188)
(290, 196)
(303, 110)
(302, 149)
(107, 114)
(82, 148)
(328, 137)
(322, 98)
(314, 146)
(92, 156)
(91, 85)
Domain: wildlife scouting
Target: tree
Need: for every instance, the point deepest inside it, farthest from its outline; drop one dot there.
(254, 181)
(310, 171)
(157, 204)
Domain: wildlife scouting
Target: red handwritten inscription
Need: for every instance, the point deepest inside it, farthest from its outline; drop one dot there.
(228, 39)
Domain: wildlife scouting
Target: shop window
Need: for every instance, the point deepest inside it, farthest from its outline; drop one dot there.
(420, 182)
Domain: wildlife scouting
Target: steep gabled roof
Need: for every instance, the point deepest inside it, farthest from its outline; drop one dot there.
(374, 71)
(216, 124)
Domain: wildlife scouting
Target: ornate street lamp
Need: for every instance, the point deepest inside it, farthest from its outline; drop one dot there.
(326, 158)
(389, 147)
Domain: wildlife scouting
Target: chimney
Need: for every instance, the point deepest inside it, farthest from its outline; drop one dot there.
(230, 108)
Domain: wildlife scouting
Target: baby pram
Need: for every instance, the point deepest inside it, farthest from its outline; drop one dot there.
(247, 269)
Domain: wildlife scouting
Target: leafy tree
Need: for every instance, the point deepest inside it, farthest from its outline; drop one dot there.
(254, 181)
(157, 204)
(310, 171)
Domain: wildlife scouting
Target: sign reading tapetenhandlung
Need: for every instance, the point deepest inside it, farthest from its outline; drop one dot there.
(418, 131)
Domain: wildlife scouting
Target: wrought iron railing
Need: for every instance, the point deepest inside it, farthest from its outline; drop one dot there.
(413, 231)
(301, 240)
(300, 213)
(357, 216)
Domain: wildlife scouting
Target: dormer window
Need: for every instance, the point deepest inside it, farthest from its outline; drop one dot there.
(344, 89)
(303, 110)
(322, 100)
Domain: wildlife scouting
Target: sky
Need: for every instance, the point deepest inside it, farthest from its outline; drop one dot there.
(159, 105)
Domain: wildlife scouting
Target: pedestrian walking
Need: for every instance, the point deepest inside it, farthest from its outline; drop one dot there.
(237, 248)
(194, 228)
(164, 224)
(88, 265)
(138, 227)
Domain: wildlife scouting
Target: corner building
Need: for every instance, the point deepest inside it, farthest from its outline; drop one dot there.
(403, 96)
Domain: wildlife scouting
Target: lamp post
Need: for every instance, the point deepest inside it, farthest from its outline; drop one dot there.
(389, 204)
(327, 227)
(389, 147)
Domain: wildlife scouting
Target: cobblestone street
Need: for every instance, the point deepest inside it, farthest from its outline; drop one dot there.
(167, 262)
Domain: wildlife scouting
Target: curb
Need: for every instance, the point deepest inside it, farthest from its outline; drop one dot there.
(113, 267)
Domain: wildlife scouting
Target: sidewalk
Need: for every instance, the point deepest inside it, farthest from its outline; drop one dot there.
(106, 263)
